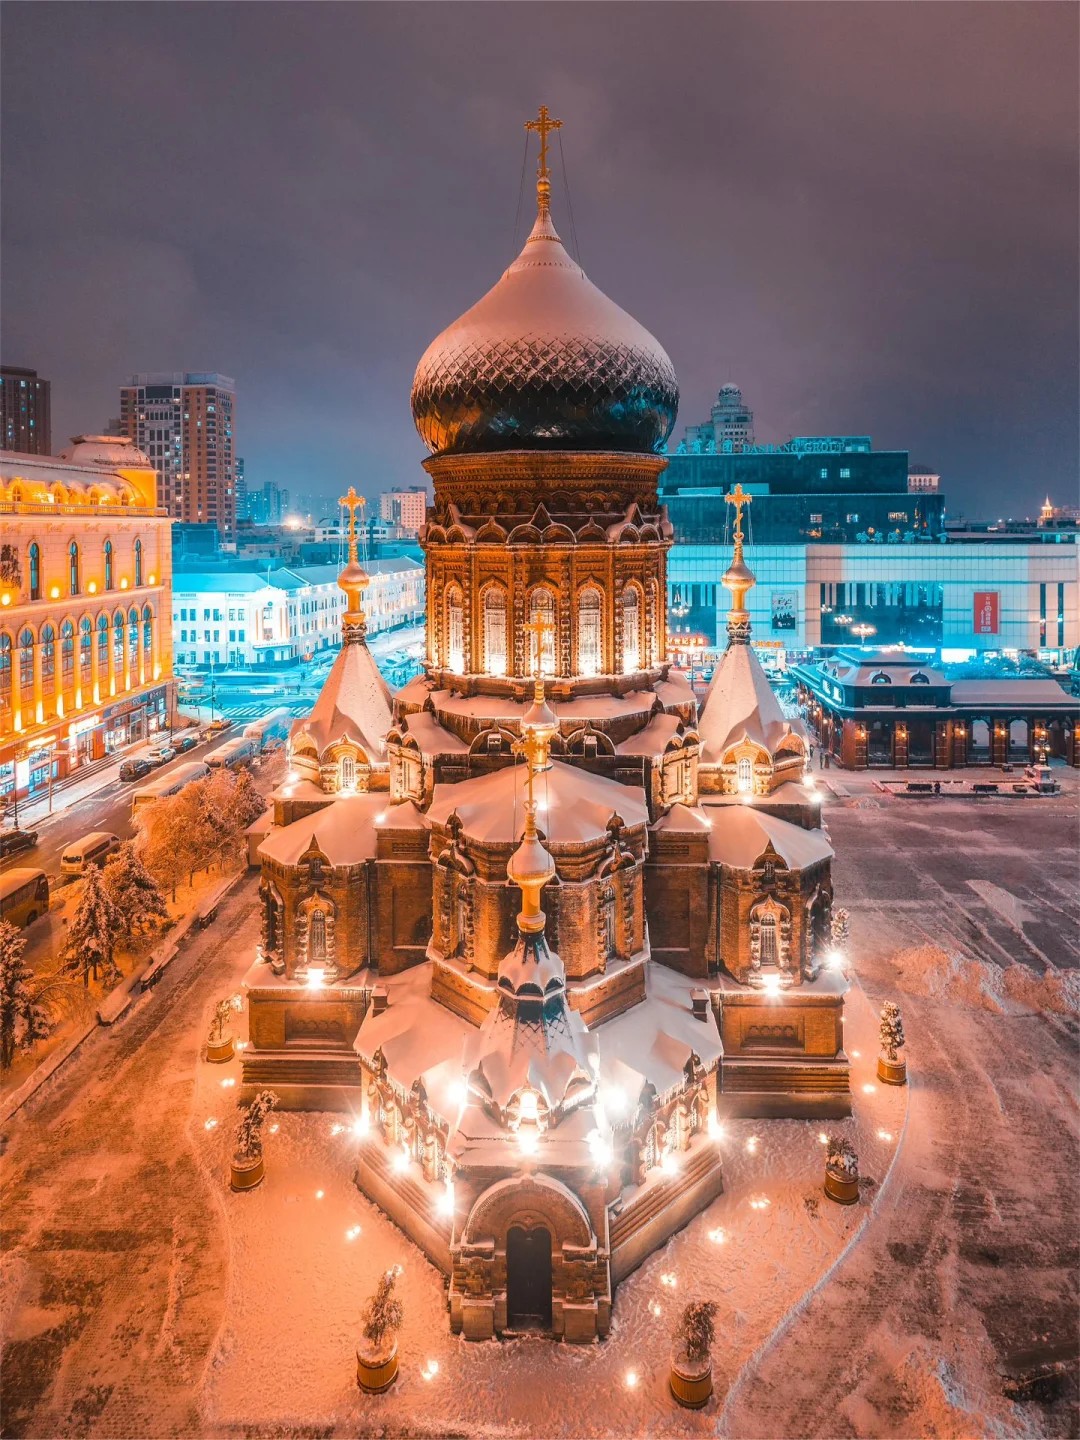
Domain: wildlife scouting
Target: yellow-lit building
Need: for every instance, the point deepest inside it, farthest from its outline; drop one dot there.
(85, 609)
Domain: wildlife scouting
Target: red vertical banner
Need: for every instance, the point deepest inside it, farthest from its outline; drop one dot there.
(986, 612)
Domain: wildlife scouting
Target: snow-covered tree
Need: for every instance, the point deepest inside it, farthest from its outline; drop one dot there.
(384, 1312)
(93, 932)
(696, 1331)
(248, 804)
(137, 896)
(839, 927)
(891, 1030)
(840, 1155)
(223, 1012)
(249, 1131)
(165, 843)
(22, 1018)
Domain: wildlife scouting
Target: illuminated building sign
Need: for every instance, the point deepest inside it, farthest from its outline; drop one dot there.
(986, 612)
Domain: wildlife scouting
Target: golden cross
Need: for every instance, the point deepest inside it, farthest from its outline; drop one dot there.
(738, 497)
(352, 502)
(540, 626)
(541, 125)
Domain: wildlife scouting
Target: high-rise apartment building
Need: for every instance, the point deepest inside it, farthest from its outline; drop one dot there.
(268, 505)
(184, 422)
(404, 508)
(24, 412)
(730, 426)
(241, 490)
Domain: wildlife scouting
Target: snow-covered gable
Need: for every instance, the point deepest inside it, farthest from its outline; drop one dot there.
(573, 806)
(343, 831)
(740, 834)
(354, 704)
(740, 705)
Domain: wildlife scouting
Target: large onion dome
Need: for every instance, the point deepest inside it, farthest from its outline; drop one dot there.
(545, 361)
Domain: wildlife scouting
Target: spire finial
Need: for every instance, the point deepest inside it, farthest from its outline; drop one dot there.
(541, 125)
(531, 866)
(738, 578)
(352, 502)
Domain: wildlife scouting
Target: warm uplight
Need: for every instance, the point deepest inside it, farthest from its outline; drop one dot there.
(836, 959)
(869, 1089)
(717, 1237)
(353, 1232)
(151, 579)
(123, 583)
(655, 1308)
(227, 1084)
(401, 1161)
(459, 1092)
(319, 1194)
(631, 1379)
(446, 1199)
(668, 1163)
(430, 1370)
(823, 1139)
(760, 1202)
(751, 1145)
(210, 1124)
(315, 979)
(54, 593)
(771, 985)
(614, 1100)
(528, 1105)
(668, 1279)
(5, 599)
(336, 1129)
(716, 1128)
(528, 1143)
(92, 587)
(360, 1126)
(884, 1134)
(856, 1054)
(809, 781)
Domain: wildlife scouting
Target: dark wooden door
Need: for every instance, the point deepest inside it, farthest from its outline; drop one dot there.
(528, 1279)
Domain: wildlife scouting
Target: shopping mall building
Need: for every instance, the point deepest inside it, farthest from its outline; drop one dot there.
(85, 635)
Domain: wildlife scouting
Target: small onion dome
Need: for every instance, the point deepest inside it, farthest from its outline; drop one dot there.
(531, 865)
(738, 575)
(353, 580)
(544, 361)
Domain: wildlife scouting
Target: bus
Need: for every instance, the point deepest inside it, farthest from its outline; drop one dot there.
(168, 784)
(233, 753)
(24, 895)
(274, 726)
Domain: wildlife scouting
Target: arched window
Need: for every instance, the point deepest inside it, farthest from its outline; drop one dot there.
(542, 613)
(138, 562)
(118, 644)
(744, 772)
(590, 633)
(103, 647)
(147, 633)
(35, 571)
(631, 629)
(317, 935)
(919, 678)
(348, 772)
(769, 950)
(48, 660)
(86, 642)
(133, 641)
(67, 655)
(108, 565)
(5, 677)
(455, 631)
(73, 568)
(494, 631)
(26, 669)
(881, 678)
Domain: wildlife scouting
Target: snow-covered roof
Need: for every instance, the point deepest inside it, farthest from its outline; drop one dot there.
(653, 739)
(572, 806)
(655, 1040)
(430, 735)
(344, 831)
(740, 834)
(1007, 691)
(354, 704)
(740, 705)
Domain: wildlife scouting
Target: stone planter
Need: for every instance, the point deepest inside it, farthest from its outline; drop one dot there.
(376, 1372)
(247, 1172)
(892, 1072)
(840, 1186)
(220, 1052)
(689, 1382)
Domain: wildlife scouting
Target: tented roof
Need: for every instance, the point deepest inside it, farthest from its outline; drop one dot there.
(344, 831)
(740, 705)
(354, 704)
(740, 834)
(573, 806)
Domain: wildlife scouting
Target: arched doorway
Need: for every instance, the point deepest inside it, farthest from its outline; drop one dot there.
(528, 1278)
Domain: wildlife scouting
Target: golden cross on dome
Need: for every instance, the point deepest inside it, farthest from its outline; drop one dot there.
(541, 627)
(352, 502)
(541, 125)
(738, 497)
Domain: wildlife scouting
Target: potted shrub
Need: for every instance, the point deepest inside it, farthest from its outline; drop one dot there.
(248, 1168)
(376, 1355)
(220, 1047)
(891, 1065)
(841, 1171)
(690, 1380)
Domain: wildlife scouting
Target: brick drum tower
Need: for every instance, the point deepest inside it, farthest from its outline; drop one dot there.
(541, 929)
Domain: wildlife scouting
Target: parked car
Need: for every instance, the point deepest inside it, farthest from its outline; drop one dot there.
(92, 849)
(184, 742)
(135, 769)
(162, 755)
(12, 841)
(221, 723)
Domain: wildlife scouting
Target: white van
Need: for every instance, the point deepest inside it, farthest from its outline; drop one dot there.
(92, 849)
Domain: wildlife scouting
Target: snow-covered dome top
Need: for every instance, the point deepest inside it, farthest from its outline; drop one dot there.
(111, 452)
(545, 361)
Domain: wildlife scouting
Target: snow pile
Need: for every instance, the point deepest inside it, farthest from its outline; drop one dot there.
(959, 979)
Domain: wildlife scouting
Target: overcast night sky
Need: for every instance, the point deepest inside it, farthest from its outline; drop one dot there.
(864, 214)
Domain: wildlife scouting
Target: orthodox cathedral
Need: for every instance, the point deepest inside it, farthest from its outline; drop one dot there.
(540, 921)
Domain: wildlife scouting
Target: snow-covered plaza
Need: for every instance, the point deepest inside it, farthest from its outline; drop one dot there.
(142, 1297)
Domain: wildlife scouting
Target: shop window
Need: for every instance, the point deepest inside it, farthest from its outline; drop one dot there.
(73, 568)
(35, 571)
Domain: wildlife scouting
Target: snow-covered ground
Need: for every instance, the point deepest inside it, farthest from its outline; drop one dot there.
(142, 1298)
